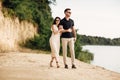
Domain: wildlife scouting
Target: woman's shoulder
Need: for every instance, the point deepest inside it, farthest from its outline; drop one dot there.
(54, 25)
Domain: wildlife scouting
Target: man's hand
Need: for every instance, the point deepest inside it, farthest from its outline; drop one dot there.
(74, 33)
(75, 39)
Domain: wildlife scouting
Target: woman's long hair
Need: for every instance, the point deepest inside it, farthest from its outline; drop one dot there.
(54, 22)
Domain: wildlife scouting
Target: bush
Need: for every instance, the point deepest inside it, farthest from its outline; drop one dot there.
(85, 56)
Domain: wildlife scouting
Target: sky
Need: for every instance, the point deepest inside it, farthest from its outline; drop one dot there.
(92, 17)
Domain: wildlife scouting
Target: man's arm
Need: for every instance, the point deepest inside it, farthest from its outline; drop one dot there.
(74, 33)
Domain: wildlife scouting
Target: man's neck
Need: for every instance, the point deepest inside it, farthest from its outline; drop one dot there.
(67, 18)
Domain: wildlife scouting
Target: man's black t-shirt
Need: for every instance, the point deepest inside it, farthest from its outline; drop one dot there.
(66, 25)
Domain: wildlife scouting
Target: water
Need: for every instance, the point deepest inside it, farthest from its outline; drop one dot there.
(106, 56)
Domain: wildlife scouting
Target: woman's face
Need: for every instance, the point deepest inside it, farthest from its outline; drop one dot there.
(57, 21)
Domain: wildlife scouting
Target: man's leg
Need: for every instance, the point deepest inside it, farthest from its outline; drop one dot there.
(72, 52)
(64, 48)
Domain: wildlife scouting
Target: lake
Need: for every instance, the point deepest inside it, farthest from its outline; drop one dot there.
(105, 56)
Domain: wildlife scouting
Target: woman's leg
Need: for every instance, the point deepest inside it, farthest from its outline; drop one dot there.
(52, 59)
(52, 52)
(57, 62)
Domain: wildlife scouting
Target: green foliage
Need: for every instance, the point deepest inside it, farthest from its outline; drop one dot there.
(38, 42)
(36, 11)
(85, 56)
(39, 12)
(115, 41)
(91, 40)
(78, 47)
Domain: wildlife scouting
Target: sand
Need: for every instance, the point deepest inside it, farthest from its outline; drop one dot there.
(34, 66)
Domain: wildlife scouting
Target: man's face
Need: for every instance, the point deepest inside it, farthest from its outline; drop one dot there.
(68, 13)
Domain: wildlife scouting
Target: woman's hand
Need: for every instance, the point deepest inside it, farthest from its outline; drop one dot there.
(61, 30)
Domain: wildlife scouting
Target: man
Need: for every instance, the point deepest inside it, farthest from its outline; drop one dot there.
(68, 38)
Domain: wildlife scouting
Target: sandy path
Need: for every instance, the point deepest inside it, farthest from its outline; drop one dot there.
(28, 66)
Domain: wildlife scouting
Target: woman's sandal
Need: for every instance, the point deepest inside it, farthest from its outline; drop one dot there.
(57, 65)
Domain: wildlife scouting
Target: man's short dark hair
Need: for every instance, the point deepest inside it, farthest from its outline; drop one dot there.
(66, 9)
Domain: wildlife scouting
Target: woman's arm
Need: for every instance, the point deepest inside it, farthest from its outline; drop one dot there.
(63, 30)
(54, 30)
(68, 30)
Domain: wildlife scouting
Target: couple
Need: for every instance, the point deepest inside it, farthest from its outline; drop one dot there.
(65, 29)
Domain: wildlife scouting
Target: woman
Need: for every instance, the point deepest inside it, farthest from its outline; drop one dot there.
(55, 40)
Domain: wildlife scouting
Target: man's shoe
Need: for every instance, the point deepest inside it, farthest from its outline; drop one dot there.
(73, 66)
(66, 66)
